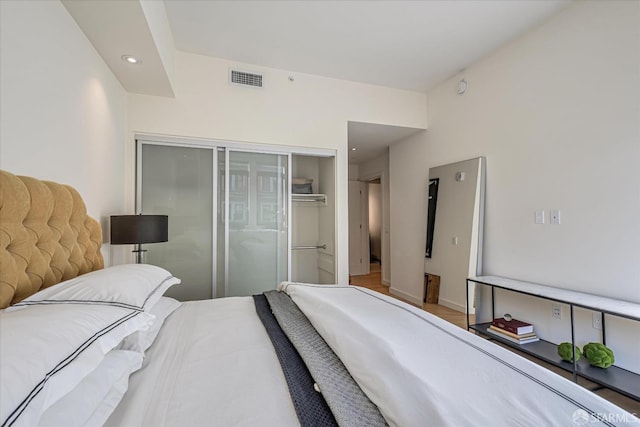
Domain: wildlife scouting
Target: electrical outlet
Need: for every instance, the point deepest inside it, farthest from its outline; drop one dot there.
(596, 319)
(556, 311)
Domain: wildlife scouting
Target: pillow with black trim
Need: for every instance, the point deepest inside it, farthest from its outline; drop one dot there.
(47, 350)
(134, 286)
(93, 400)
(140, 341)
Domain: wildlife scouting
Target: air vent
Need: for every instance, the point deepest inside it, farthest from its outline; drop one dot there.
(246, 79)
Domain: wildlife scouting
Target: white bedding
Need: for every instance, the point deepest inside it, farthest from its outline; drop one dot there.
(213, 364)
(421, 370)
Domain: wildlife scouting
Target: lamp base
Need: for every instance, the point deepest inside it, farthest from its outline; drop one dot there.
(141, 254)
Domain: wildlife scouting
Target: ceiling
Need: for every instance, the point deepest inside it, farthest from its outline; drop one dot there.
(369, 140)
(412, 45)
(117, 28)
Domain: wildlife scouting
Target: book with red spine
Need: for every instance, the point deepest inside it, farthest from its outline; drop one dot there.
(514, 326)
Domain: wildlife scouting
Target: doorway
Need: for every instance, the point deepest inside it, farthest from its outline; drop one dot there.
(367, 240)
(369, 160)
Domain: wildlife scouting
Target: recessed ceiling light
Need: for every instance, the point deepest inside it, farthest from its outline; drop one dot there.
(131, 59)
(353, 149)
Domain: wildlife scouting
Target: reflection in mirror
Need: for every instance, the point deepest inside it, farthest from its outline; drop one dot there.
(455, 232)
(432, 201)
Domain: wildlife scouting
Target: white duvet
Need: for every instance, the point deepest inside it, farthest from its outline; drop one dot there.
(213, 365)
(421, 370)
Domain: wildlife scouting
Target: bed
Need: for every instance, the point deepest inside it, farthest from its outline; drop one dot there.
(86, 345)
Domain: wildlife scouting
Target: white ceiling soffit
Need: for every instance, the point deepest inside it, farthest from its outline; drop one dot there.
(371, 140)
(117, 28)
(410, 45)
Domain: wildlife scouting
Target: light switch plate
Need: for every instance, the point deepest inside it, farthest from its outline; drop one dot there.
(556, 311)
(554, 216)
(539, 217)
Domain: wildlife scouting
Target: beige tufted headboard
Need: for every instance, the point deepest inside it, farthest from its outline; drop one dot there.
(46, 236)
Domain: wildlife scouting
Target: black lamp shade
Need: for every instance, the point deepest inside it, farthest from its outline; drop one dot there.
(136, 229)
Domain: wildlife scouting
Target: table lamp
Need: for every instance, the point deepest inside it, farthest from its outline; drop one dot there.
(139, 229)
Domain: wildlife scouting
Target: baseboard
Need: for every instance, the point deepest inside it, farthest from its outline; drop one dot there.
(408, 297)
(452, 305)
(385, 282)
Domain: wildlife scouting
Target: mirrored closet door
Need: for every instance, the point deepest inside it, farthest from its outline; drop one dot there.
(237, 199)
(179, 182)
(255, 205)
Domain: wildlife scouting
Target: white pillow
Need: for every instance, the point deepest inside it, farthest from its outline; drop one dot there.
(46, 350)
(92, 401)
(142, 340)
(136, 286)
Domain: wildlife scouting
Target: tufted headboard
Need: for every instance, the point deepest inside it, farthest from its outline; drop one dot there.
(46, 236)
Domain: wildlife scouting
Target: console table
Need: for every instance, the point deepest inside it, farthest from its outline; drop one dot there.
(615, 378)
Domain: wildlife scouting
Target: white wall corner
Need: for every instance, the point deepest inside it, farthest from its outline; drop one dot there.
(454, 305)
(405, 296)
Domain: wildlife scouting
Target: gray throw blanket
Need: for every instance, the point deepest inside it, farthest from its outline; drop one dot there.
(348, 403)
(310, 406)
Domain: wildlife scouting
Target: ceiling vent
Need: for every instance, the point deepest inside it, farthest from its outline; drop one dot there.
(244, 78)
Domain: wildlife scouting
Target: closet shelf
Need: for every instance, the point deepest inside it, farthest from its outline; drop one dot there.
(309, 198)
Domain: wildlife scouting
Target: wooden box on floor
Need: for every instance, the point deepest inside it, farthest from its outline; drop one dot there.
(431, 288)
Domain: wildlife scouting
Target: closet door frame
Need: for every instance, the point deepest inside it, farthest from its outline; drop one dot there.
(214, 145)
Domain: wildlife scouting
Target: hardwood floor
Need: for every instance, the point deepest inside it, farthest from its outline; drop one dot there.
(373, 281)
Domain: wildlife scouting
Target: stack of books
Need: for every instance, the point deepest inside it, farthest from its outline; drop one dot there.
(513, 330)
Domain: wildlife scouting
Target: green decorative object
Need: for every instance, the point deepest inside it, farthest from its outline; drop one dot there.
(564, 351)
(598, 355)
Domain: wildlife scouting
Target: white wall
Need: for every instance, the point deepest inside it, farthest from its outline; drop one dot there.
(408, 178)
(62, 112)
(310, 112)
(327, 221)
(353, 172)
(557, 115)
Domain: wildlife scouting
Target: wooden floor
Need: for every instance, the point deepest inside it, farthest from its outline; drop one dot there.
(373, 281)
